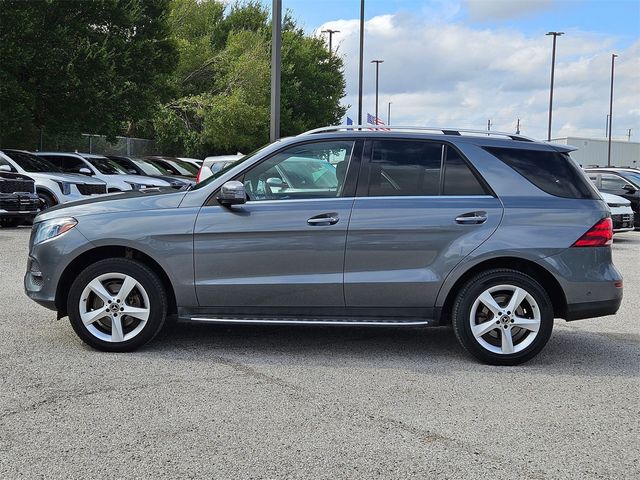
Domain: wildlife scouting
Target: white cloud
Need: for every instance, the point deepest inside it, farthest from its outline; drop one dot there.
(450, 74)
(504, 9)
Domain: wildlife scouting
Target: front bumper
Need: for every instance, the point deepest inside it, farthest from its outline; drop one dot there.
(48, 261)
(22, 205)
(622, 222)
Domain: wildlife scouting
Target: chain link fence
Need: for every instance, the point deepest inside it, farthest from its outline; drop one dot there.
(89, 143)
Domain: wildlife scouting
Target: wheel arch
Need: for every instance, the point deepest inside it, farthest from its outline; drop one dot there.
(48, 191)
(528, 267)
(89, 257)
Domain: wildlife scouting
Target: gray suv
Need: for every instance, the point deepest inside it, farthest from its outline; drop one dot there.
(494, 234)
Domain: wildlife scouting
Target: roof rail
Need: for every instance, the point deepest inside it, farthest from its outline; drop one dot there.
(444, 131)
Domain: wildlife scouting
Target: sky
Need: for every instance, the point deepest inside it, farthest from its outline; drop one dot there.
(462, 63)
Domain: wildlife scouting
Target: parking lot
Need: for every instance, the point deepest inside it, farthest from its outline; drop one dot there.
(275, 402)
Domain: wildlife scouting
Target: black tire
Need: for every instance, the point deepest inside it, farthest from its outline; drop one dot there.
(153, 287)
(11, 222)
(479, 347)
(47, 199)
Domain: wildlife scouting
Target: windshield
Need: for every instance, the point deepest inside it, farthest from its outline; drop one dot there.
(31, 163)
(226, 168)
(153, 164)
(106, 166)
(148, 167)
(633, 177)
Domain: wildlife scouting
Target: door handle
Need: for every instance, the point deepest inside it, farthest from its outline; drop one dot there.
(472, 218)
(324, 219)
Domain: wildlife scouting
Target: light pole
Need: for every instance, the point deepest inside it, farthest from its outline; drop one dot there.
(553, 67)
(613, 60)
(389, 113)
(377, 62)
(361, 64)
(276, 39)
(330, 32)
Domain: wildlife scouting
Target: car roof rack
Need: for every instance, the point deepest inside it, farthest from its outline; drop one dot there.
(444, 131)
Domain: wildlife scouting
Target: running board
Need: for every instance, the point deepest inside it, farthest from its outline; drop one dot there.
(311, 321)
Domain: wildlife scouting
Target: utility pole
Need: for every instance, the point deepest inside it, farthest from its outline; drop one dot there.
(489, 125)
(606, 128)
(330, 32)
(377, 62)
(613, 60)
(276, 41)
(629, 135)
(518, 127)
(553, 67)
(361, 65)
(389, 114)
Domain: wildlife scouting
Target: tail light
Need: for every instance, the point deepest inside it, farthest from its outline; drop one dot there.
(199, 172)
(600, 235)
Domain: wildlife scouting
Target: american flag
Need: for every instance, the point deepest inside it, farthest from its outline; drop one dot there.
(373, 120)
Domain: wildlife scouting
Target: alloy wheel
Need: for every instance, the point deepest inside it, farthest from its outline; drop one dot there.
(114, 307)
(505, 319)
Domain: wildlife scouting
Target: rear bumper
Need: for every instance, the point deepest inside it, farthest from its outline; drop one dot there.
(579, 311)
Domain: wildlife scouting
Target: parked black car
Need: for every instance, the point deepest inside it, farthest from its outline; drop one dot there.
(141, 166)
(18, 200)
(624, 182)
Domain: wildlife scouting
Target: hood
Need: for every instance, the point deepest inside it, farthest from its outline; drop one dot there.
(15, 176)
(126, 202)
(67, 177)
(140, 180)
(615, 200)
(176, 179)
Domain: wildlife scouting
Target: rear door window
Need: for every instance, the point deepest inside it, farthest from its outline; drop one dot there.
(66, 163)
(553, 172)
(405, 168)
(420, 168)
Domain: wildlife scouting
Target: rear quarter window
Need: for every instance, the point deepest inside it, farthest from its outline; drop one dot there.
(553, 172)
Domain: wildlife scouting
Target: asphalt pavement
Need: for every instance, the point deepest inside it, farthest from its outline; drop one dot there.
(309, 402)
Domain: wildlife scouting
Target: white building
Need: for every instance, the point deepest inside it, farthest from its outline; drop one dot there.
(592, 152)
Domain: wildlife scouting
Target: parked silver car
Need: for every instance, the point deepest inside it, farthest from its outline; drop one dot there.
(52, 185)
(102, 168)
(495, 234)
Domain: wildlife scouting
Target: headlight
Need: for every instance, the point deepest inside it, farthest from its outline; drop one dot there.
(135, 186)
(52, 228)
(65, 187)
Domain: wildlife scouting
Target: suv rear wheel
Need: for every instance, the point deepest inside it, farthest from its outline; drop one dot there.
(503, 317)
(117, 305)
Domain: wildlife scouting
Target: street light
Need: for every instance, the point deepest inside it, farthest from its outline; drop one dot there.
(377, 62)
(361, 62)
(389, 113)
(276, 55)
(553, 66)
(613, 59)
(330, 32)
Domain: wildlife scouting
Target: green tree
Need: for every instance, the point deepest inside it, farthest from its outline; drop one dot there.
(223, 80)
(92, 66)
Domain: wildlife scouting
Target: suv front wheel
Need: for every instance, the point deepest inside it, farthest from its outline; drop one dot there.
(503, 317)
(117, 305)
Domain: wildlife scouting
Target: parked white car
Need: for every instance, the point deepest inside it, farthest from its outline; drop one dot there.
(214, 164)
(102, 168)
(621, 212)
(52, 185)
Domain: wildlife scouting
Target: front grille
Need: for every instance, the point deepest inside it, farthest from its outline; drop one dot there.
(13, 186)
(17, 203)
(87, 189)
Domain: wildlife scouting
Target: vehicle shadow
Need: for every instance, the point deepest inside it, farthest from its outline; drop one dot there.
(569, 352)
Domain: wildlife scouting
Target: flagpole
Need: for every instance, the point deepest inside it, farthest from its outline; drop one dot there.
(361, 62)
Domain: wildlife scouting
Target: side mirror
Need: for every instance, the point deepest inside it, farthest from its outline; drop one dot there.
(276, 182)
(630, 188)
(232, 193)
(5, 168)
(85, 171)
(132, 171)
